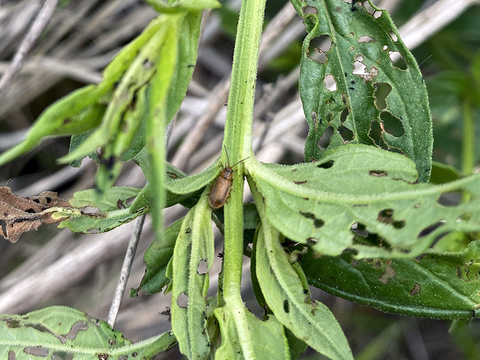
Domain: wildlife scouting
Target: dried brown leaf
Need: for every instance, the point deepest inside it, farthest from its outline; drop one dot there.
(20, 214)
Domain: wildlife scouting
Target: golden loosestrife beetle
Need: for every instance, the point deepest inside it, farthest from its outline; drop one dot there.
(221, 189)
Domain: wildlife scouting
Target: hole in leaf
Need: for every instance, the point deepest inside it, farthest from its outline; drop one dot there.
(344, 114)
(307, 215)
(397, 60)
(202, 268)
(393, 35)
(399, 224)
(377, 14)
(325, 139)
(11, 355)
(359, 229)
(330, 82)
(318, 223)
(78, 326)
(326, 165)
(430, 229)
(464, 217)
(311, 241)
(391, 124)
(36, 351)
(318, 48)
(384, 47)
(314, 118)
(385, 216)
(375, 133)
(366, 39)
(345, 133)
(380, 94)
(453, 198)
(309, 10)
(182, 300)
(286, 306)
(378, 173)
(416, 289)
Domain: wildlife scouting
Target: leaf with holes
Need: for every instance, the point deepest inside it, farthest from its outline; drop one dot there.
(263, 339)
(60, 332)
(362, 198)
(289, 299)
(436, 284)
(359, 83)
(156, 259)
(192, 260)
(115, 198)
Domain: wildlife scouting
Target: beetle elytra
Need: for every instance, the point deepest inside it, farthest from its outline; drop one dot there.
(222, 186)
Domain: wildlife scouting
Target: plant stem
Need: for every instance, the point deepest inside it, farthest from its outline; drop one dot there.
(468, 145)
(238, 136)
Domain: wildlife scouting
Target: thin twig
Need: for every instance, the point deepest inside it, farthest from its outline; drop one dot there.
(125, 272)
(30, 39)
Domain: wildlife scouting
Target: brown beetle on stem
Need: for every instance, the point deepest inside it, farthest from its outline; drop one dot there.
(221, 189)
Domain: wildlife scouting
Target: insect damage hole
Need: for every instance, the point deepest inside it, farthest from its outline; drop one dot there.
(382, 90)
(398, 60)
(202, 268)
(366, 39)
(392, 124)
(318, 49)
(453, 198)
(324, 140)
(182, 300)
(393, 35)
(36, 351)
(330, 83)
(286, 306)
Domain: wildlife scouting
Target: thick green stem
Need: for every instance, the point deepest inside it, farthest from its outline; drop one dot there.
(238, 135)
(468, 146)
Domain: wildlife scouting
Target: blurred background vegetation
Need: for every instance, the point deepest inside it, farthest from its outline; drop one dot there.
(56, 267)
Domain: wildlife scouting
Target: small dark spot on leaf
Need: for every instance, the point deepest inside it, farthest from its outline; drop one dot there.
(286, 306)
(147, 64)
(377, 264)
(300, 182)
(190, 66)
(67, 121)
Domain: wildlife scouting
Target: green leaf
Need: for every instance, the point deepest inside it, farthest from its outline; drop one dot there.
(157, 120)
(62, 332)
(93, 223)
(371, 101)
(115, 198)
(156, 259)
(192, 260)
(436, 284)
(290, 300)
(266, 337)
(362, 198)
(195, 182)
(74, 114)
